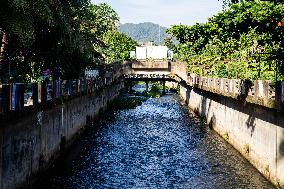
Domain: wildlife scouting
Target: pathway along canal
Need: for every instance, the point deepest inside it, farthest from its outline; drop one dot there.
(156, 145)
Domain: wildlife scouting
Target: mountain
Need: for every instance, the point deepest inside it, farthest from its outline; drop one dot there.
(144, 32)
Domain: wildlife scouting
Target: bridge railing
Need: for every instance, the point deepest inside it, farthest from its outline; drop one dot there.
(16, 97)
(261, 92)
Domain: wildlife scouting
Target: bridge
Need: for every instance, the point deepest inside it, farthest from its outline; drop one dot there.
(155, 70)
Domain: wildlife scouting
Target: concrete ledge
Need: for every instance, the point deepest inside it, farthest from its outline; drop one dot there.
(158, 64)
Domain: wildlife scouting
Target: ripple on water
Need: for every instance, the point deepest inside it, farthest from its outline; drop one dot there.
(156, 145)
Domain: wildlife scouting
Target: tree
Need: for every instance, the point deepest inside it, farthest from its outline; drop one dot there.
(99, 19)
(227, 3)
(40, 34)
(37, 30)
(221, 46)
(170, 44)
(16, 21)
(118, 45)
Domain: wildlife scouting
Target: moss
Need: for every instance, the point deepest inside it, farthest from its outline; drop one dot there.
(152, 94)
(203, 120)
(267, 171)
(276, 183)
(127, 102)
(226, 136)
(247, 149)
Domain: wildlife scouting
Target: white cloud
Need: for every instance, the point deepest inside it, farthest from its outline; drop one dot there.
(165, 12)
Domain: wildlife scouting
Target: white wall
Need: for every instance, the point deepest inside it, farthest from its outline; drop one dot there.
(152, 52)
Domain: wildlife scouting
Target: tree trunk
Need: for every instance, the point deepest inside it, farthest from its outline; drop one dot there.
(4, 43)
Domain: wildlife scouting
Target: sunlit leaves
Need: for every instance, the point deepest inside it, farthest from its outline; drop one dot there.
(118, 45)
(99, 19)
(50, 33)
(222, 46)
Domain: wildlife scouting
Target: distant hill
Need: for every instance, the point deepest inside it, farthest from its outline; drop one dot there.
(144, 32)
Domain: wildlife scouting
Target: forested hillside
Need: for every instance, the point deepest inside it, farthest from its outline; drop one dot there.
(144, 32)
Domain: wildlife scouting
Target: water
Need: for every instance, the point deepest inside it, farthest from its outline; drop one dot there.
(157, 145)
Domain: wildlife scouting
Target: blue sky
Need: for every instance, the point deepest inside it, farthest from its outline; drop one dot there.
(164, 12)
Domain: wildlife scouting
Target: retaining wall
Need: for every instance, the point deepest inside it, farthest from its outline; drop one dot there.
(254, 130)
(29, 144)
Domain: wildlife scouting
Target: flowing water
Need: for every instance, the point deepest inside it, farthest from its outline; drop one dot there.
(156, 145)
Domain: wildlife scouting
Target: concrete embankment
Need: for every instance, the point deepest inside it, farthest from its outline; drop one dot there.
(31, 143)
(254, 130)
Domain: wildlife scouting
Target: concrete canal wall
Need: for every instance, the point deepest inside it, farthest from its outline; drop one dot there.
(257, 131)
(248, 114)
(29, 144)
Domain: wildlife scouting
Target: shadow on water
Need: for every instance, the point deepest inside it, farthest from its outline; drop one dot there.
(155, 145)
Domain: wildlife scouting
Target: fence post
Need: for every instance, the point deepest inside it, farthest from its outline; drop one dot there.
(71, 87)
(64, 88)
(75, 87)
(21, 96)
(78, 86)
(278, 95)
(43, 93)
(54, 89)
(82, 86)
(13, 97)
(6, 98)
(17, 97)
(85, 86)
(58, 89)
(35, 94)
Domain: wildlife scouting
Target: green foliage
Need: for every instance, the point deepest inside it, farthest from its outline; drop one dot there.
(100, 25)
(228, 44)
(45, 34)
(118, 45)
(100, 19)
(170, 43)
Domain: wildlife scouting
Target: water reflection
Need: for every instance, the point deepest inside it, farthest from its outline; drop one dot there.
(156, 145)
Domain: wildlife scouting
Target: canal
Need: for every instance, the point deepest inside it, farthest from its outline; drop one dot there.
(156, 145)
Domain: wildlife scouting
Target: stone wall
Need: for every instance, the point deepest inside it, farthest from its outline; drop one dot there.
(254, 130)
(32, 142)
